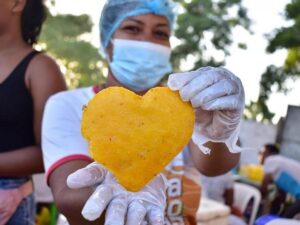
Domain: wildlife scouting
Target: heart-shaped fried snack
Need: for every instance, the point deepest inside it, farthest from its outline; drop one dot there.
(136, 137)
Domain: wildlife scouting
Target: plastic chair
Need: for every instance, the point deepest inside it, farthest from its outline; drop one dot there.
(243, 193)
(211, 212)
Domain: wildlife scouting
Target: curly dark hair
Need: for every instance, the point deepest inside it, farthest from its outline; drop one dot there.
(33, 16)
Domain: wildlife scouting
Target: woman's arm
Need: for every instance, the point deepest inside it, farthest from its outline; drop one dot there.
(219, 161)
(70, 201)
(267, 180)
(43, 78)
(21, 162)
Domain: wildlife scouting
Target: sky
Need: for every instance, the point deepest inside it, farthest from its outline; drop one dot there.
(249, 64)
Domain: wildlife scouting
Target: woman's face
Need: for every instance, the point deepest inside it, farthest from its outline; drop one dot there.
(145, 27)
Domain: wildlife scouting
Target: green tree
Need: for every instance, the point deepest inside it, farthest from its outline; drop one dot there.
(206, 22)
(275, 78)
(63, 37)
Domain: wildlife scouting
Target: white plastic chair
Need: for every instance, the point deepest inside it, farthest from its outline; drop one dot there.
(243, 193)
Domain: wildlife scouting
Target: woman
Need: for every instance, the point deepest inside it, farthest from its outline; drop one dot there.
(27, 79)
(135, 39)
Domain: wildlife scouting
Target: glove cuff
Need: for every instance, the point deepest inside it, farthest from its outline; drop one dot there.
(231, 142)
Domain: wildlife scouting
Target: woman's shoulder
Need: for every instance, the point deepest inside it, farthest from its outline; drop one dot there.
(43, 60)
(43, 66)
(43, 77)
(44, 73)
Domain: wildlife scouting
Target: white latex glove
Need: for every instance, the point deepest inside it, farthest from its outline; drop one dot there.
(149, 203)
(9, 201)
(219, 99)
(121, 205)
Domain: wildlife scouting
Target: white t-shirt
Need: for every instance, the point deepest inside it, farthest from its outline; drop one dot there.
(214, 187)
(62, 142)
(276, 164)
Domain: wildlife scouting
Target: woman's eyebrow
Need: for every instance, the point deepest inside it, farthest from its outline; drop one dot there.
(142, 23)
(135, 20)
(162, 25)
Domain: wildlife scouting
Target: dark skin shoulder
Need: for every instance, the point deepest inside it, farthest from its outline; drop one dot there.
(43, 79)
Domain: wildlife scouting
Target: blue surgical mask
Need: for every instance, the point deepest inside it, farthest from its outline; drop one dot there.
(139, 65)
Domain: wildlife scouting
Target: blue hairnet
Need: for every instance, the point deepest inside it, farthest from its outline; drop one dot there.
(115, 11)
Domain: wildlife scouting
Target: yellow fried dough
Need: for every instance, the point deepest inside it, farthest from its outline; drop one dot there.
(136, 137)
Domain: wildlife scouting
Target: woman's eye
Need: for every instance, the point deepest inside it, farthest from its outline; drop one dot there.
(162, 34)
(131, 29)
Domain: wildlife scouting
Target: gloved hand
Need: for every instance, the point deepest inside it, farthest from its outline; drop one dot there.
(145, 205)
(219, 99)
(149, 203)
(9, 201)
